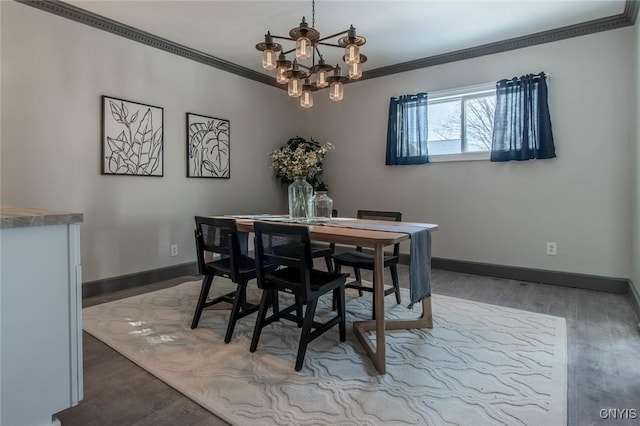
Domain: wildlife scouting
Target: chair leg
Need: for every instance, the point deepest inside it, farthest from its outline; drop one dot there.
(238, 302)
(204, 292)
(340, 295)
(275, 302)
(267, 296)
(396, 284)
(356, 271)
(306, 331)
(299, 304)
(334, 306)
(327, 260)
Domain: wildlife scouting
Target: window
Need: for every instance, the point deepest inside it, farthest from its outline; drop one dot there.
(461, 123)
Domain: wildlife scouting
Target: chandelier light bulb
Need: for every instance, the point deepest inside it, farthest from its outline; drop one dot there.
(303, 48)
(306, 100)
(295, 88)
(321, 79)
(355, 71)
(269, 60)
(336, 91)
(281, 75)
(352, 54)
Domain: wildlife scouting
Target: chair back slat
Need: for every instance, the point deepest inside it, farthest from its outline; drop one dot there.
(382, 215)
(217, 236)
(283, 245)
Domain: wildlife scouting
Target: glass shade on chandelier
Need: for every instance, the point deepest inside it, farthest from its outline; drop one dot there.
(303, 48)
(269, 60)
(336, 91)
(281, 75)
(321, 79)
(306, 100)
(302, 80)
(282, 69)
(355, 71)
(352, 54)
(294, 88)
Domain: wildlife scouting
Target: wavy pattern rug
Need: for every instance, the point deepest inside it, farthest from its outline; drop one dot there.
(480, 364)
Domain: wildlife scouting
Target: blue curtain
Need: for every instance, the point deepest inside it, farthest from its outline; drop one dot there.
(407, 131)
(522, 124)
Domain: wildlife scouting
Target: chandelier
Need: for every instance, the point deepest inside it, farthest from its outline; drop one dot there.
(303, 80)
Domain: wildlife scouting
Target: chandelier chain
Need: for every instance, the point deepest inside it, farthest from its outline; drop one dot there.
(313, 13)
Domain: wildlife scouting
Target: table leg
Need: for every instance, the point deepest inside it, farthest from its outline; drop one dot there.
(424, 321)
(377, 354)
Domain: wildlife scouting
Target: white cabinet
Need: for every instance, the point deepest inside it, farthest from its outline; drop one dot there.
(40, 320)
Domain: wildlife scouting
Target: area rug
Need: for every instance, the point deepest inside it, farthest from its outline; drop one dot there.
(480, 365)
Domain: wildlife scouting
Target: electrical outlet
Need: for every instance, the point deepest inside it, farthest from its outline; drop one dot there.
(552, 249)
(174, 250)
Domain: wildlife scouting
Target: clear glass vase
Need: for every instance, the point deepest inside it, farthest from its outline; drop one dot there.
(300, 195)
(322, 207)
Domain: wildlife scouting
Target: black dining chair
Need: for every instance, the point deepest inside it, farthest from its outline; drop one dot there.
(357, 259)
(220, 237)
(289, 248)
(324, 250)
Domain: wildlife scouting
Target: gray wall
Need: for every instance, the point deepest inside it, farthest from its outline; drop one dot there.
(53, 74)
(505, 213)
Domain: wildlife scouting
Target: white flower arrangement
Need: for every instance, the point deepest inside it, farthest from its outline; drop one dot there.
(300, 157)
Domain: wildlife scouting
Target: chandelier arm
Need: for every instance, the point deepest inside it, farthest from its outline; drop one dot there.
(283, 38)
(318, 52)
(331, 36)
(329, 44)
(290, 51)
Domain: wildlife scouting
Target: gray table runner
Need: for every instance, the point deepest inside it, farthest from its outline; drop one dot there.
(420, 251)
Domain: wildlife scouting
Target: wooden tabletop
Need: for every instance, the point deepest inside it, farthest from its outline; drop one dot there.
(344, 235)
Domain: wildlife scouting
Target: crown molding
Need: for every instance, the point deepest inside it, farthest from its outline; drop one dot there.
(631, 10)
(627, 18)
(65, 10)
(82, 16)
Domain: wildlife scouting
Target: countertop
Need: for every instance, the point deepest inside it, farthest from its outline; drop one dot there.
(20, 217)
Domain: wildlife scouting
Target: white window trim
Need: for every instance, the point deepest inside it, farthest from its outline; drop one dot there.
(454, 92)
(457, 91)
(463, 156)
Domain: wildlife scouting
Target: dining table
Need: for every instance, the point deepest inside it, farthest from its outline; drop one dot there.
(353, 232)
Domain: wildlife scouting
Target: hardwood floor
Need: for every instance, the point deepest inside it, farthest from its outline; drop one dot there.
(603, 355)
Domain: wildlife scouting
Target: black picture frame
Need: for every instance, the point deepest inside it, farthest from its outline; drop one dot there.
(132, 138)
(208, 147)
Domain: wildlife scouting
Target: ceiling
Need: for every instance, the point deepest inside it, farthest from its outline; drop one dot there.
(396, 31)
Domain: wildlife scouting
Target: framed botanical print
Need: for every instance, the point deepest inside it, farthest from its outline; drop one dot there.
(208, 154)
(132, 138)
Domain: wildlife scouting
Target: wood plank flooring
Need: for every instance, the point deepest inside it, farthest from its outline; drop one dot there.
(603, 355)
